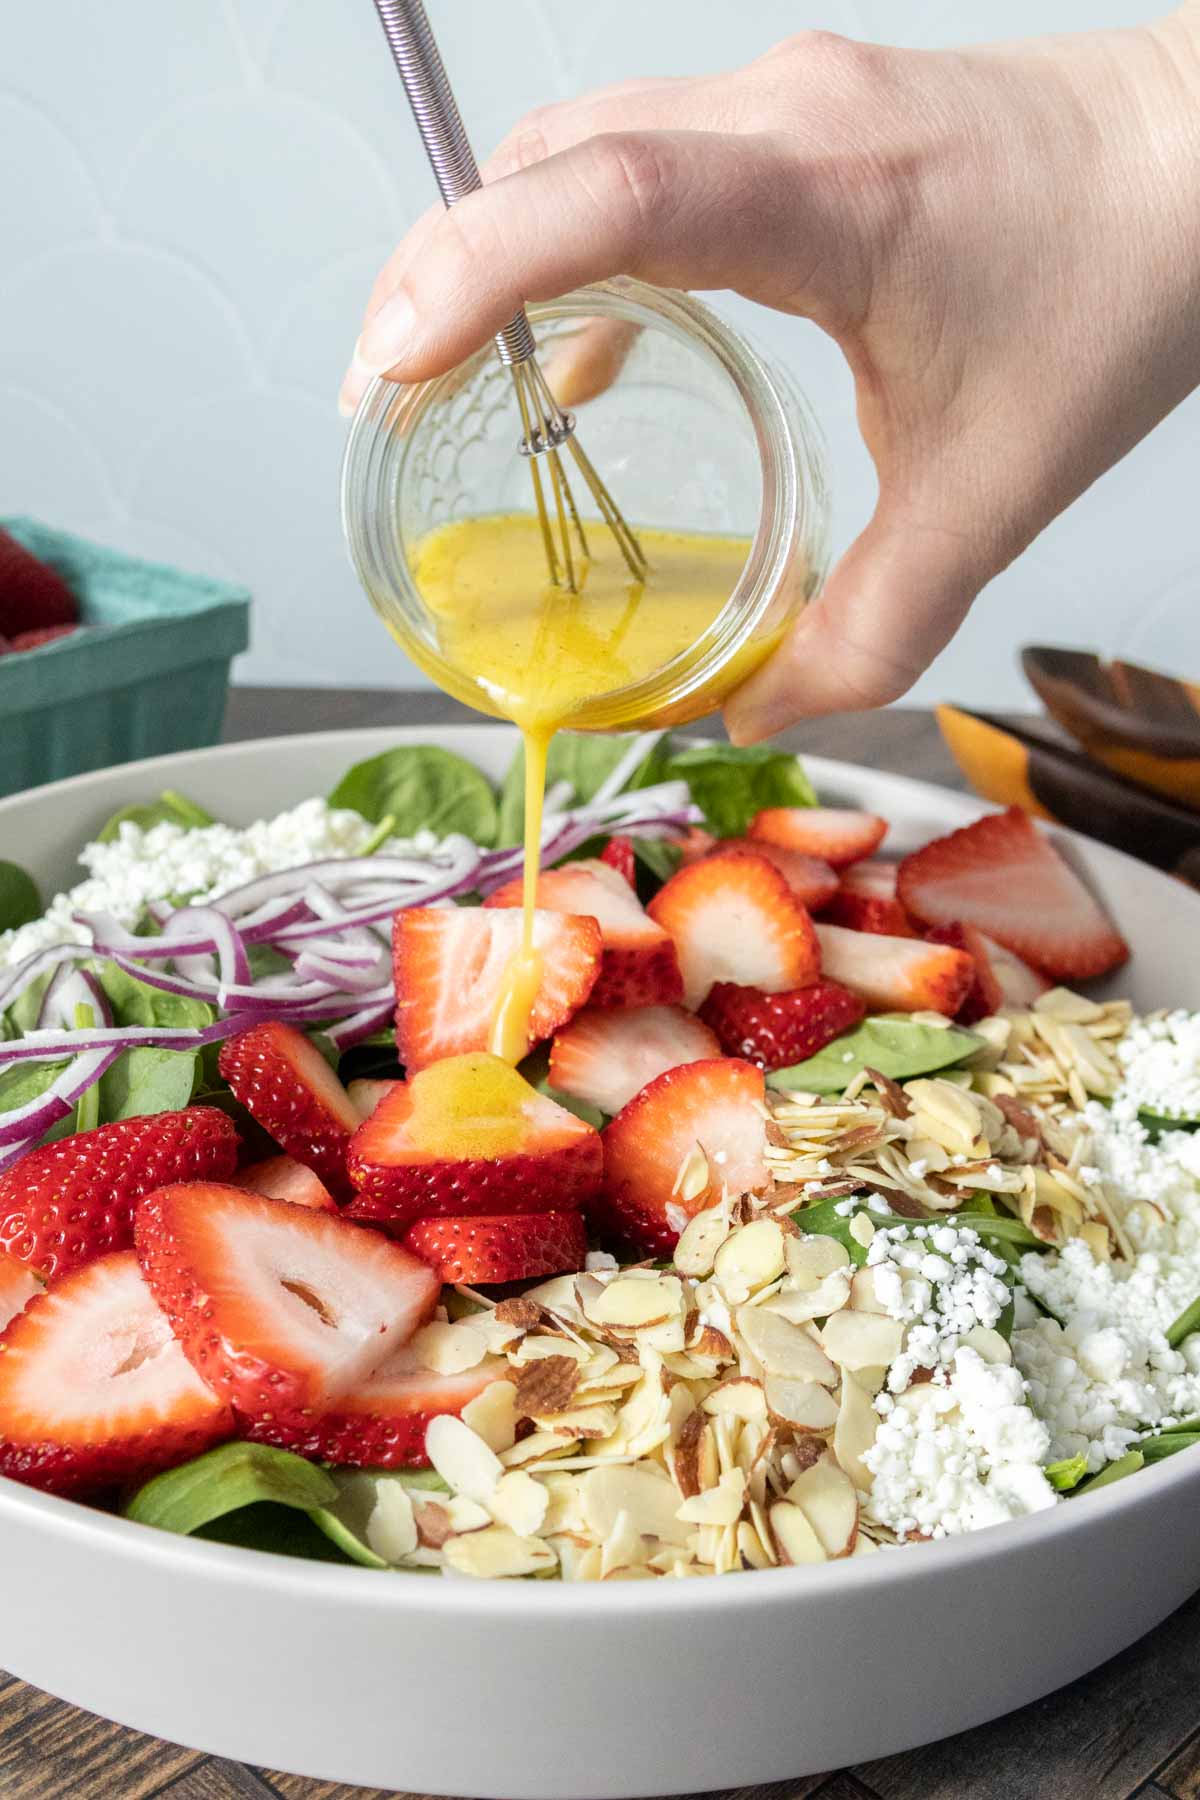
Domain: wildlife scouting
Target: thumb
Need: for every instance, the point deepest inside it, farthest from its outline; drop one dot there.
(893, 601)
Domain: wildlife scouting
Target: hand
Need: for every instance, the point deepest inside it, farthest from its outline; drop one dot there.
(1004, 242)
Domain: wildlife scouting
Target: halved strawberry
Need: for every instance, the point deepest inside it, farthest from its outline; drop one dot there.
(1006, 878)
(606, 1057)
(283, 1178)
(18, 1285)
(638, 964)
(1001, 979)
(450, 964)
(776, 1030)
(32, 594)
(496, 1248)
(650, 1152)
(94, 1390)
(866, 900)
(896, 974)
(73, 1200)
(836, 834)
(618, 854)
(281, 1077)
(470, 1135)
(365, 1095)
(695, 843)
(381, 1424)
(734, 918)
(277, 1306)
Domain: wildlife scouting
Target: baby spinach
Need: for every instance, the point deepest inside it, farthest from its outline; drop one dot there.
(1182, 1327)
(134, 1002)
(345, 1519)
(732, 782)
(22, 1015)
(1065, 1475)
(1167, 1443)
(24, 1081)
(584, 760)
(148, 1081)
(1157, 1123)
(421, 788)
(170, 808)
(273, 1530)
(1129, 1464)
(894, 1044)
(20, 900)
(223, 1481)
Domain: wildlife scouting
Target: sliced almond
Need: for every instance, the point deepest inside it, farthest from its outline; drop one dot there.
(448, 1349)
(751, 1548)
(811, 1259)
(466, 1515)
(987, 1343)
(795, 1538)
(749, 1259)
(863, 1297)
(801, 1303)
(519, 1502)
(465, 1463)
(391, 1529)
(829, 1501)
(496, 1553)
(862, 1229)
(863, 1545)
(803, 1404)
(541, 1348)
(631, 1304)
(577, 1561)
(782, 1348)
(720, 1505)
(700, 1240)
(564, 1508)
(646, 1494)
(537, 1445)
(739, 1398)
(546, 1385)
(854, 1432)
(492, 1415)
(862, 1340)
(623, 1551)
(1098, 1239)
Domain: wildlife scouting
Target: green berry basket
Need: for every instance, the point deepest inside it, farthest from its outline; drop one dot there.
(147, 673)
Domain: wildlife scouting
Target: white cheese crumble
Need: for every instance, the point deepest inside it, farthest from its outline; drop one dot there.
(1160, 1057)
(943, 1282)
(139, 866)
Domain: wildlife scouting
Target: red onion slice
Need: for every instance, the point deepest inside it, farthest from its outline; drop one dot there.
(37, 1116)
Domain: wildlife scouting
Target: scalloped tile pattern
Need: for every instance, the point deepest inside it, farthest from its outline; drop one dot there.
(204, 195)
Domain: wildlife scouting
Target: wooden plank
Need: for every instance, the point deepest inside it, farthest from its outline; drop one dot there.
(803, 1787)
(51, 1751)
(1098, 1739)
(299, 1787)
(216, 1779)
(1181, 1776)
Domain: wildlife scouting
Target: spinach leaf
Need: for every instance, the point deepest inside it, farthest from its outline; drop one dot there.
(20, 900)
(1067, 1474)
(1157, 1123)
(731, 782)
(148, 1081)
(135, 1003)
(892, 1043)
(657, 857)
(22, 1082)
(22, 1015)
(1129, 1464)
(274, 1530)
(585, 759)
(345, 1519)
(421, 788)
(1187, 1322)
(1167, 1443)
(169, 809)
(226, 1479)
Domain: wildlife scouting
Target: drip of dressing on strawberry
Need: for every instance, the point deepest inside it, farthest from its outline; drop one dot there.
(467, 1106)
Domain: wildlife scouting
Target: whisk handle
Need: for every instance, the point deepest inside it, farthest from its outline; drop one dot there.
(435, 110)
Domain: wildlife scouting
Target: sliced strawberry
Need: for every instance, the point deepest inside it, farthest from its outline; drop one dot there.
(45, 634)
(277, 1306)
(606, 1057)
(450, 964)
(68, 1202)
(874, 877)
(896, 974)
(507, 1247)
(470, 1135)
(996, 969)
(618, 854)
(835, 834)
(695, 843)
(283, 1178)
(32, 594)
(776, 1030)
(638, 964)
(381, 1424)
(1004, 877)
(365, 1095)
(18, 1285)
(650, 1152)
(811, 880)
(281, 1078)
(734, 918)
(94, 1390)
(868, 912)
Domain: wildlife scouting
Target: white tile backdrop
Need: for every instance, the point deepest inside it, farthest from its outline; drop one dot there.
(194, 199)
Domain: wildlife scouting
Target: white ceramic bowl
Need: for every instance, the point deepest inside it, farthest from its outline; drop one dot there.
(579, 1693)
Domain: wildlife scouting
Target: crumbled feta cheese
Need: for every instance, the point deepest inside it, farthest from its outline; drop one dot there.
(942, 1281)
(1160, 1058)
(140, 866)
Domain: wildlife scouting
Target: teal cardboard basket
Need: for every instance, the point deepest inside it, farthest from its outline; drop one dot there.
(149, 675)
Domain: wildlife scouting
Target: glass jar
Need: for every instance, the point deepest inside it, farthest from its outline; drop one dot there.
(693, 433)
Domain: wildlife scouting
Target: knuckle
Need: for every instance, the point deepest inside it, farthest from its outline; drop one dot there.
(633, 174)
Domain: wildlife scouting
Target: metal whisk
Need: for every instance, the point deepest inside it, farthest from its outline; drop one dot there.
(545, 427)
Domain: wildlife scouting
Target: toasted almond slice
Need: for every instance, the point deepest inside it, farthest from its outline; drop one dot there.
(535, 1349)
(854, 1432)
(546, 1385)
(796, 1540)
(519, 1502)
(537, 1445)
(863, 1297)
(811, 1259)
(749, 1259)
(738, 1397)
(492, 1415)
(720, 1505)
(751, 1548)
(558, 1296)
(987, 1343)
(632, 1304)
(465, 1463)
(800, 1304)
(644, 1492)
(465, 1515)
(861, 1340)
(700, 1240)
(803, 1404)
(596, 1421)
(927, 1397)
(1098, 1238)
(391, 1529)
(578, 1561)
(783, 1348)
(497, 1552)
(448, 1349)
(863, 1545)
(564, 1510)
(829, 1501)
(862, 1228)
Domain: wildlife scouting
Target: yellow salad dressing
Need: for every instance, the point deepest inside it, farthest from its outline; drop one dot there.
(540, 653)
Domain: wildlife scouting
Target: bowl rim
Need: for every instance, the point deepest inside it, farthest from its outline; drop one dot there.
(269, 1572)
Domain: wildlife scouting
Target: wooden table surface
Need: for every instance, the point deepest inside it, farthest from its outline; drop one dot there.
(1131, 1727)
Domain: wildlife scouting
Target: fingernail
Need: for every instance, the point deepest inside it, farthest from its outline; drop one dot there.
(387, 335)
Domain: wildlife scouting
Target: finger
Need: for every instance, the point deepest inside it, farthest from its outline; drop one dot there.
(685, 209)
(894, 600)
(583, 363)
(649, 104)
